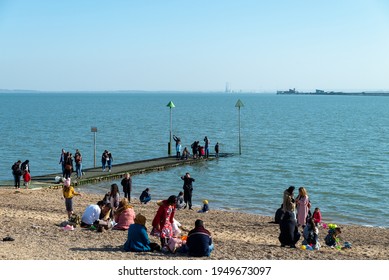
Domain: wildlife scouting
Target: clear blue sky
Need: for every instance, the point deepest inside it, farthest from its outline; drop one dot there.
(194, 45)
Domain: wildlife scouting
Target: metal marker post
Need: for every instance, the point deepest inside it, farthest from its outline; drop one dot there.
(170, 105)
(238, 105)
(94, 130)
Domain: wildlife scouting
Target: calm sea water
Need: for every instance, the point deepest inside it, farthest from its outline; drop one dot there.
(335, 146)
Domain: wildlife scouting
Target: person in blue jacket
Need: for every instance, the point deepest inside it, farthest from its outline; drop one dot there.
(138, 239)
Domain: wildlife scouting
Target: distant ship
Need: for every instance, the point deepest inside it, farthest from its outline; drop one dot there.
(322, 92)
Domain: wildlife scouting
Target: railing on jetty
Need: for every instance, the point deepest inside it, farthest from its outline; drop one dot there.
(94, 175)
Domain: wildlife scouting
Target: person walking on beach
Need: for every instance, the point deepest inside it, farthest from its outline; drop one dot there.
(302, 202)
(17, 173)
(78, 160)
(68, 193)
(188, 189)
(127, 186)
(163, 220)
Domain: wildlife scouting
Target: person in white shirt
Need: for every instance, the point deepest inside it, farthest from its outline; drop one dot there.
(91, 214)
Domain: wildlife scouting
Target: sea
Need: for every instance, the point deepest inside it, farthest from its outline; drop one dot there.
(334, 146)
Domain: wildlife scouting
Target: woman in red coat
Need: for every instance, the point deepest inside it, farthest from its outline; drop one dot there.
(163, 220)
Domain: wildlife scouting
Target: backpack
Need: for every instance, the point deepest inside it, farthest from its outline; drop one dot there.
(74, 220)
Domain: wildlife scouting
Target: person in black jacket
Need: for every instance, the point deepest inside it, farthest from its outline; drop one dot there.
(199, 241)
(17, 172)
(289, 234)
(188, 189)
(279, 214)
(127, 186)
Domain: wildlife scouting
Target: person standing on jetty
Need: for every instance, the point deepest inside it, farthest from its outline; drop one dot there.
(188, 189)
(127, 186)
(206, 146)
(217, 150)
(104, 158)
(68, 165)
(109, 161)
(177, 140)
(17, 173)
(62, 159)
(78, 160)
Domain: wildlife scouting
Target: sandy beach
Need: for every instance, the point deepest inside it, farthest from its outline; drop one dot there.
(31, 218)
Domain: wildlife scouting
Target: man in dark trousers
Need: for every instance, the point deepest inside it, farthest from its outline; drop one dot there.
(188, 188)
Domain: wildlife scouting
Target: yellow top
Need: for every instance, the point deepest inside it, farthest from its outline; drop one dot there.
(70, 192)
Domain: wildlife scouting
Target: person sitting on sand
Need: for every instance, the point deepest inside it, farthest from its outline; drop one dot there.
(205, 207)
(91, 214)
(138, 239)
(311, 235)
(289, 234)
(199, 241)
(316, 216)
(180, 201)
(145, 196)
(332, 237)
(124, 215)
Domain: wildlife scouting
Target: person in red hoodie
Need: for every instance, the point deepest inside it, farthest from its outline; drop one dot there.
(316, 216)
(163, 220)
(26, 178)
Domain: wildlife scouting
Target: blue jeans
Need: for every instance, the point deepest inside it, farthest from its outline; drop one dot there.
(79, 169)
(146, 199)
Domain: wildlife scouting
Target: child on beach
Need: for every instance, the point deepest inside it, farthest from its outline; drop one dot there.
(205, 207)
(26, 178)
(145, 196)
(68, 194)
(332, 238)
(317, 216)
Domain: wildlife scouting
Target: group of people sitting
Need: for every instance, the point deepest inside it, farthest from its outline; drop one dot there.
(113, 212)
(290, 222)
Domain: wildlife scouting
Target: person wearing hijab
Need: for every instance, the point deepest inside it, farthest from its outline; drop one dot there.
(138, 239)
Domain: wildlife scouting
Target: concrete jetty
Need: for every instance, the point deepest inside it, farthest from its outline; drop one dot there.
(94, 175)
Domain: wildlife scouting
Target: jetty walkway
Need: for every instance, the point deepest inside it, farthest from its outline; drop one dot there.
(94, 175)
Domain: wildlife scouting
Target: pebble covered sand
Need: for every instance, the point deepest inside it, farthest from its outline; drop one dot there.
(31, 218)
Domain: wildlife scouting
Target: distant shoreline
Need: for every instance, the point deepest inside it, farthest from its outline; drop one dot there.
(330, 93)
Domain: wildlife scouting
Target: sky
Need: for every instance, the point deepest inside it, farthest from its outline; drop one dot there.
(200, 45)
